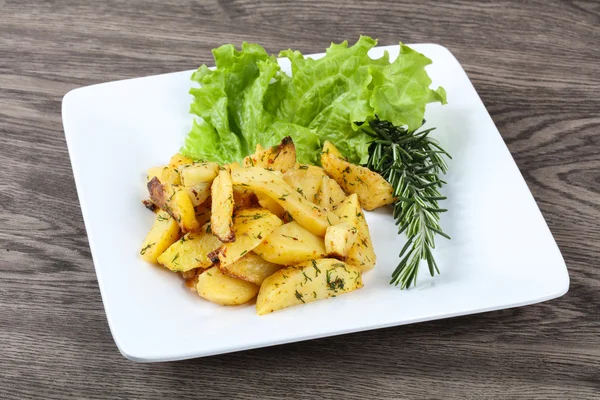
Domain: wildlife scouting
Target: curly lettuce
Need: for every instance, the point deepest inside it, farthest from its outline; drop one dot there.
(247, 100)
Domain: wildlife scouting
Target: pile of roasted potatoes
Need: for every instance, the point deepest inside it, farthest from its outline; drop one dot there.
(271, 229)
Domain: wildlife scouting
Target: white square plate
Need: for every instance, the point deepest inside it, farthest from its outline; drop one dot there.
(501, 255)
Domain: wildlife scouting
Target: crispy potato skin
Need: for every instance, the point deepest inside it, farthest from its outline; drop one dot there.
(157, 192)
(150, 205)
(176, 201)
(244, 198)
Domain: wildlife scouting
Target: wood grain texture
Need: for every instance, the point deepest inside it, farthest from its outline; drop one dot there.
(535, 64)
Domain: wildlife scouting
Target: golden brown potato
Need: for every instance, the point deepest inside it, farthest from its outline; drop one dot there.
(361, 254)
(243, 198)
(198, 193)
(164, 232)
(175, 200)
(150, 205)
(330, 194)
(179, 159)
(203, 213)
(266, 202)
(277, 158)
(163, 173)
(191, 278)
(348, 210)
(250, 226)
(306, 180)
(307, 214)
(310, 281)
(251, 268)
(272, 227)
(339, 240)
(291, 244)
(195, 174)
(190, 273)
(155, 172)
(219, 288)
(222, 207)
(190, 252)
(171, 174)
(372, 189)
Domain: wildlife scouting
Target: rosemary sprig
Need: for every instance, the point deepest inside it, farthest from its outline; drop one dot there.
(411, 162)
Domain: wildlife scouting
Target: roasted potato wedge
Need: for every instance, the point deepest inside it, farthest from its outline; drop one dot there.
(302, 211)
(330, 194)
(190, 252)
(164, 232)
(277, 158)
(348, 210)
(149, 204)
(310, 281)
(155, 172)
(222, 207)
(164, 174)
(190, 273)
(285, 231)
(178, 160)
(203, 213)
(195, 174)
(266, 202)
(198, 193)
(223, 289)
(250, 226)
(291, 244)
(175, 200)
(372, 189)
(361, 254)
(171, 174)
(339, 239)
(306, 180)
(243, 198)
(251, 268)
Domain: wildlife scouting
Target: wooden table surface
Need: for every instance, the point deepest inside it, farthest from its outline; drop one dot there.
(535, 64)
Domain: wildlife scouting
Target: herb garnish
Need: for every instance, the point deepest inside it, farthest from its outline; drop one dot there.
(334, 284)
(143, 251)
(411, 162)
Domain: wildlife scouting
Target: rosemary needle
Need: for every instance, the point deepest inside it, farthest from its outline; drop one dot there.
(411, 162)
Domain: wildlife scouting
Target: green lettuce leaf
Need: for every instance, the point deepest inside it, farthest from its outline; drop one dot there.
(247, 100)
(401, 89)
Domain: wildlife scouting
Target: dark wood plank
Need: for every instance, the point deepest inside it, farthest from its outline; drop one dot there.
(536, 66)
